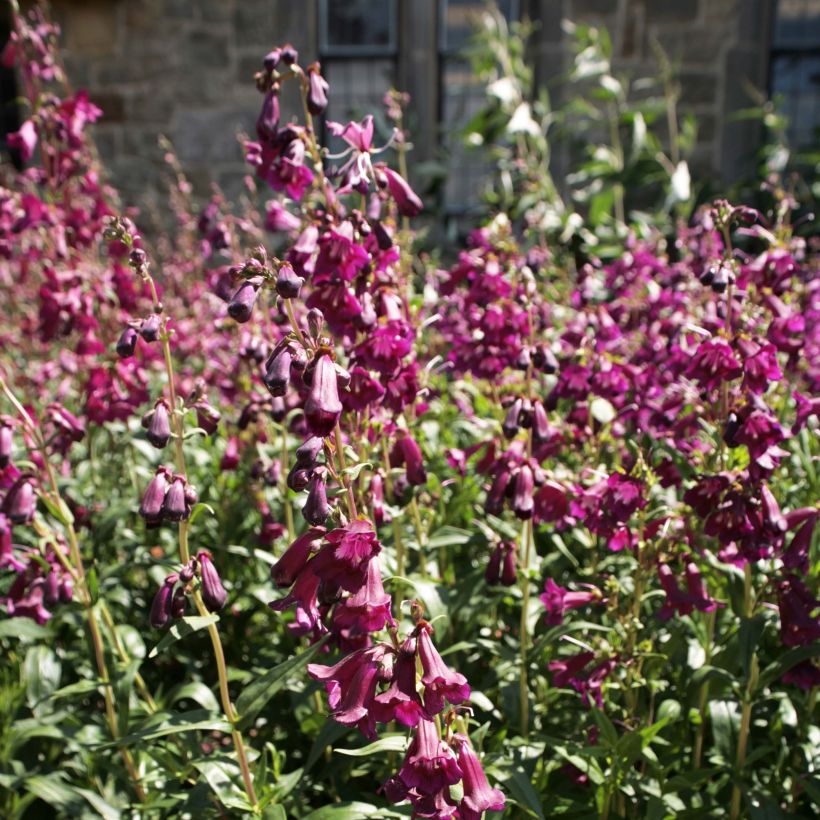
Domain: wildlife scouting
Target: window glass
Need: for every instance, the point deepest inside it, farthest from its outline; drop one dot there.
(357, 27)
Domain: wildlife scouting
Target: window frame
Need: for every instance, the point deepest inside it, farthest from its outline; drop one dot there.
(330, 51)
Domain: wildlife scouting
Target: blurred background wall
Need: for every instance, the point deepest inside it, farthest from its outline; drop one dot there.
(184, 68)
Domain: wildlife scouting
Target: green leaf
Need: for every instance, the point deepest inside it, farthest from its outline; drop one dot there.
(346, 811)
(198, 508)
(197, 720)
(93, 585)
(52, 790)
(775, 671)
(81, 687)
(254, 696)
(105, 810)
(354, 471)
(448, 537)
(41, 671)
(609, 734)
(181, 629)
(328, 735)
(58, 509)
(23, 628)
(388, 743)
(725, 720)
(522, 791)
(196, 691)
(225, 779)
(274, 812)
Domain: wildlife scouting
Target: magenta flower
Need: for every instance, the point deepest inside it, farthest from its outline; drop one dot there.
(558, 600)
(401, 700)
(351, 687)
(161, 606)
(478, 796)
(368, 608)
(760, 365)
(151, 508)
(24, 141)
(713, 363)
(293, 560)
(430, 764)
(213, 593)
(304, 597)
(501, 568)
(406, 453)
(317, 90)
(344, 558)
(799, 623)
(406, 199)
(440, 682)
(20, 501)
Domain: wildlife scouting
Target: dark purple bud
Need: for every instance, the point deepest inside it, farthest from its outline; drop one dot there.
(213, 593)
(544, 359)
(154, 498)
(509, 574)
(127, 343)
(66, 590)
(323, 408)
(495, 497)
(191, 496)
(733, 425)
(272, 474)
(540, 423)
(317, 508)
(492, 573)
(186, 574)
(315, 322)
(161, 606)
(298, 478)
(513, 419)
(284, 572)
(277, 371)
(174, 507)
(278, 409)
(772, 517)
(51, 593)
(406, 199)
(271, 59)
(159, 426)
(308, 452)
(267, 123)
(317, 91)
(408, 453)
(523, 359)
(20, 502)
(383, 238)
(241, 305)
(179, 603)
(289, 54)
(149, 328)
(522, 503)
(6, 444)
(207, 417)
(288, 284)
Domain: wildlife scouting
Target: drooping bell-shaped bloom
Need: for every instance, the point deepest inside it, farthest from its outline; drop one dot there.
(557, 600)
(6, 442)
(676, 599)
(175, 507)
(24, 141)
(796, 555)
(161, 606)
(351, 687)
(501, 568)
(367, 609)
(522, 501)
(213, 593)
(149, 328)
(713, 363)
(304, 596)
(7, 558)
(267, 123)
(277, 370)
(401, 700)
(799, 622)
(241, 305)
(292, 561)
(430, 764)
(207, 417)
(323, 407)
(343, 560)
(478, 796)
(406, 452)
(317, 508)
(440, 682)
(512, 421)
(696, 588)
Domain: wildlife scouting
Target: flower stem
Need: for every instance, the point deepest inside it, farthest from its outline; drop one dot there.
(697, 754)
(523, 692)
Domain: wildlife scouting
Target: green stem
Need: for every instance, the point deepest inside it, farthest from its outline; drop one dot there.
(703, 696)
(523, 692)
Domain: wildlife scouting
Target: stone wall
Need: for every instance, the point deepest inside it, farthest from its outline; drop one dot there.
(184, 68)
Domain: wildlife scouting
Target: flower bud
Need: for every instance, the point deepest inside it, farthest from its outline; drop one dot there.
(179, 603)
(51, 594)
(540, 423)
(241, 305)
(151, 508)
(323, 407)
(213, 593)
(317, 91)
(289, 55)
(522, 503)
(6, 444)
(186, 574)
(161, 606)
(406, 199)
(315, 322)
(267, 123)
(288, 284)
(544, 359)
(207, 417)
(175, 508)
(20, 502)
(512, 420)
(149, 328)
(308, 452)
(317, 508)
(272, 59)
(277, 371)
(159, 426)
(298, 478)
(127, 343)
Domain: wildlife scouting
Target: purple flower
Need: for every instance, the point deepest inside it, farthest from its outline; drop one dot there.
(213, 593)
(158, 424)
(304, 595)
(317, 508)
(288, 283)
(759, 365)
(406, 199)
(127, 343)
(440, 682)
(24, 140)
(323, 408)
(344, 558)
(401, 700)
(557, 600)
(241, 305)
(501, 568)
(351, 687)
(523, 503)
(295, 557)
(317, 90)
(368, 608)
(430, 764)
(406, 452)
(277, 370)
(151, 508)
(713, 363)
(478, 796)
(799, 624)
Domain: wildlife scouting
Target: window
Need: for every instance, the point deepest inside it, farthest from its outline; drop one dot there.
(357, 50)
(461, 97)
(795, 68)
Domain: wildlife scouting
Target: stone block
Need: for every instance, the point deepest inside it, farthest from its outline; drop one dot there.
(112, 104)
(209, 135)
(89, 27)
(698, 87)
(672, 11)
(205, 48)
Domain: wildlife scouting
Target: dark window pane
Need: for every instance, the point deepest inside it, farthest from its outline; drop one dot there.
(797, 24)
(358, 26)
(459, 18)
